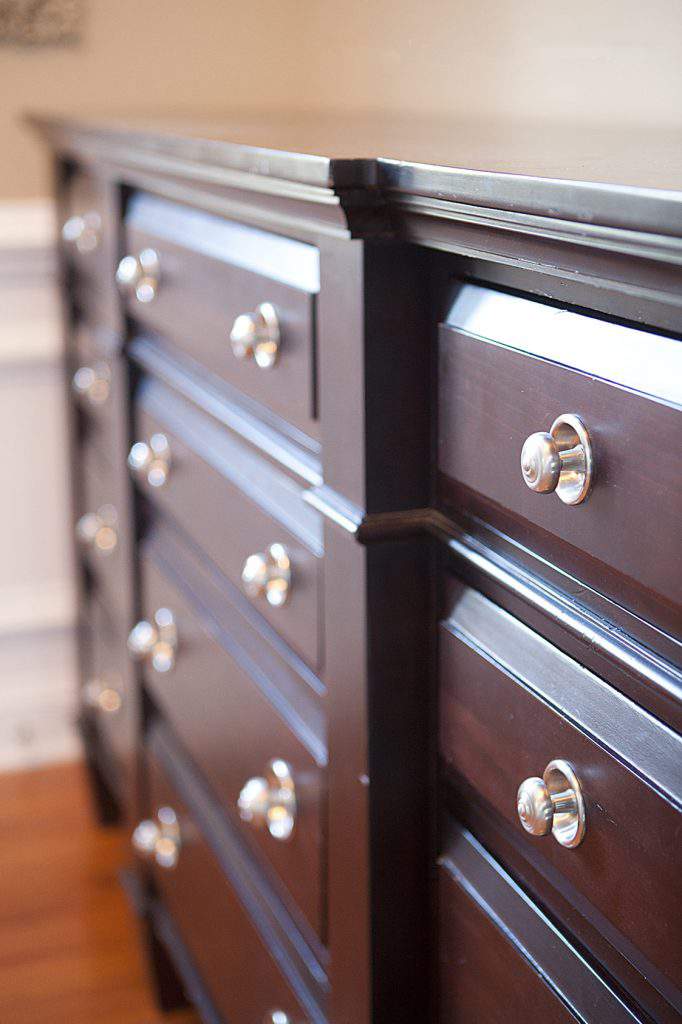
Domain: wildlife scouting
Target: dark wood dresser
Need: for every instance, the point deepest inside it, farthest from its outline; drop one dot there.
(377, 489)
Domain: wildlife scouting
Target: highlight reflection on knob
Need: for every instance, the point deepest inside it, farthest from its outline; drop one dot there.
(92, 383)
(560, 460)
(99, 695)
(83, 231)
(97, 530)
(151, 459)
(140, 275)
(159, 839)
(156, 640)
(268, 574)
(257, 336)
(270, 800)
(553, 804)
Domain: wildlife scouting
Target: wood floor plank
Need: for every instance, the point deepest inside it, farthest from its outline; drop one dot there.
(69, 949)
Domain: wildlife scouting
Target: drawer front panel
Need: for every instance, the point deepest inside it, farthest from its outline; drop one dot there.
(232, 731)
(500, 959)
(109, 694)
(211, 272)
(510, 704)
(205, 494)
(237, 968)
(493, 397)
(85, 240)
(100, 496)
(98, 388)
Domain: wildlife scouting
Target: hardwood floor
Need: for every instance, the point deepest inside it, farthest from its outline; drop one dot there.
(69, 948)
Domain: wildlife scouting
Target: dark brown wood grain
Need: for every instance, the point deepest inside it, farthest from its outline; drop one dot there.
(351, 411)
(229, 524)
(111, 669)
(509, 705)
(631, 519)
(231, 730)
(199, 297)
(500, 960)
(241, 975)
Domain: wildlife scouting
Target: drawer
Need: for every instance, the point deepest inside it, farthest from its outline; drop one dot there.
(510, 704)
(98, 389)
(500, 959)
(237, 967)
(238, 726)
(510, 367)
(85, 233)
(234, 504)
(212, 271)
(100, 528)
(108, 694)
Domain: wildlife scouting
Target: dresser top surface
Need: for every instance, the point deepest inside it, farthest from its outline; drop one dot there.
(551, 170)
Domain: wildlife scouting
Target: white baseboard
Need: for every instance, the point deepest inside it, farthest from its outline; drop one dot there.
(37, 699)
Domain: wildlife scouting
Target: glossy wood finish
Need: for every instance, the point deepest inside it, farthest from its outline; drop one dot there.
(108, 568)
(501, 960)
(396, 239)
(237, 967)
(211, 272)
(86, 197)
(69, 949)
(96, 349)
(632, 516)
(247, 505)
(111, 668)
(233, 723)
(510, 703)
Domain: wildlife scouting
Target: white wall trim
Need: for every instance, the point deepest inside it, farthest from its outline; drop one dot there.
(26, 609)
(37, 592)
(30, 325)
(27, 236)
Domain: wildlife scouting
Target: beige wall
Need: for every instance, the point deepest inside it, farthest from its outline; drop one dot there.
(574, 60)
(616, 60)
(147, 55)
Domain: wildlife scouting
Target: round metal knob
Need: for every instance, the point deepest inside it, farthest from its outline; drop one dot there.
(97, 530)
(560, 460)
(277, 1017)
(140, 275)
(270, 800)
(553, 804)
(257, 336)
(159, 839)
(83, 231)
(268, 574)
(157, 640)
(92, 383)
(99, 696)
(151, 459)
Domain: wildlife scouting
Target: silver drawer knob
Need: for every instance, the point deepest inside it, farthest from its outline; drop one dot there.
(257, 336)
(559, 461)
(99, 696)
(159, 839)
(277, 1017)
(151, 459)
(92, 383)
(270, 800)
(156, 640)
(83, 231)
(97, 530)
(140, 275)
(553, 804)
(268, 574)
